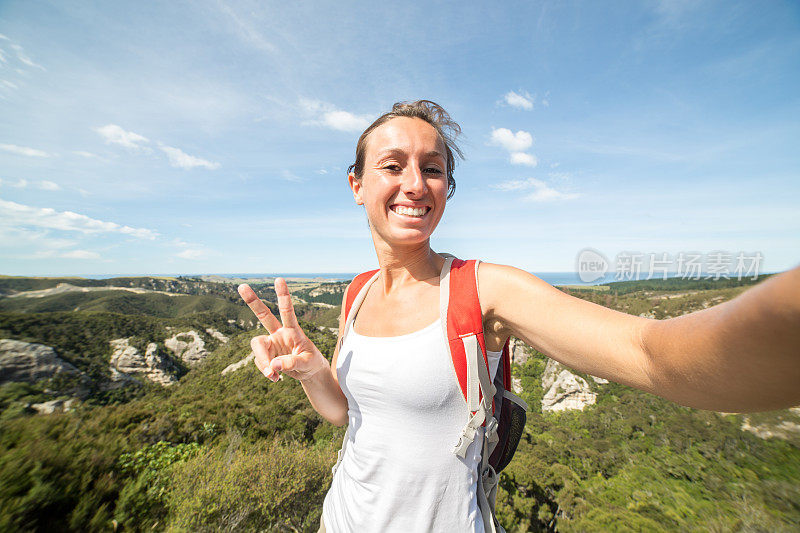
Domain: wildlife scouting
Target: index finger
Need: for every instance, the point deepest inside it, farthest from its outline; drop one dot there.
(259, 308)
(285, 304)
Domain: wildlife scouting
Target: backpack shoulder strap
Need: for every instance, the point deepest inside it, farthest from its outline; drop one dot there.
(463, 328)
(354, 288)
(506, 362)
(464, 317)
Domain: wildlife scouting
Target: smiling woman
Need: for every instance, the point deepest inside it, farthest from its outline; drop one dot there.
(392, 381)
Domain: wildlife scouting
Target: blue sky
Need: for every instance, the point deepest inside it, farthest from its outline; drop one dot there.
(212, 136)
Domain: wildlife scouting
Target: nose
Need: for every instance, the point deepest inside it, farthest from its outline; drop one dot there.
(413, 183)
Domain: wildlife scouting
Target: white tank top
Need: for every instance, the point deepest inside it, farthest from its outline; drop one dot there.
(406, 411)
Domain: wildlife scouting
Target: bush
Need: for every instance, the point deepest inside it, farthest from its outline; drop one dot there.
(268, 486)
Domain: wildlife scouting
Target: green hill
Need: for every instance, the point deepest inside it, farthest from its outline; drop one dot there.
(123, 302)
(237, 452)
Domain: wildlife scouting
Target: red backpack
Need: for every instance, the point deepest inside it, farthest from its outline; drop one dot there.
(491, 403)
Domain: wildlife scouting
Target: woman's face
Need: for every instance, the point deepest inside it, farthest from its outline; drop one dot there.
(404, 184)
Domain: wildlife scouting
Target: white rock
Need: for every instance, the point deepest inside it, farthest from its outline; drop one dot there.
(233, 367)
(784, 430)
(127, 359)
(564, 390)
(48, 408)
(30, 362)
(217, 335)
(519, 351)
(189, 346)
(516, 385)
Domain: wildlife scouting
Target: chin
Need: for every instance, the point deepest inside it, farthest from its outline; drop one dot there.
(406, 237)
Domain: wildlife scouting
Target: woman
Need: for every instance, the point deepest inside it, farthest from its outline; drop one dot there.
(398, 471)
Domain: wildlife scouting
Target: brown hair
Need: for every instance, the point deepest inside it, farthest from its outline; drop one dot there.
(432, 113)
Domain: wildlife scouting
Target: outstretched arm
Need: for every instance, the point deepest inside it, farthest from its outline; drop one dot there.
(742, 355)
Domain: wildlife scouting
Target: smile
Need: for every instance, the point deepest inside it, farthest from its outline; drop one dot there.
(410, 211)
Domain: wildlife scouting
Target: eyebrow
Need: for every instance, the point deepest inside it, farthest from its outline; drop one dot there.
(398, 151)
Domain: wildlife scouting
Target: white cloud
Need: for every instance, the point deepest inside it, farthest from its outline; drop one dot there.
(13, 239)
(87, 155)
(46, 185)
(23, 150)
(547, 193)
(289, 176)
(80, 254)
(18, 215)
(322, 171)
(114, 134)
(327, 115)
(513, 142)
(313, 106)
(514, 185)
(523, 158)
(561, 176)
(6, 83)
(180, 159)
(247, 29)
(345, 121)
(521, 101)
(24, 58)
(542, 192)
(191, 253)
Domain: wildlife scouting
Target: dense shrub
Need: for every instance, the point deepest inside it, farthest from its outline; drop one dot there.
(266, 487)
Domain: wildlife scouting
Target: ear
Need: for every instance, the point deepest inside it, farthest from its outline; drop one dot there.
(355, 185)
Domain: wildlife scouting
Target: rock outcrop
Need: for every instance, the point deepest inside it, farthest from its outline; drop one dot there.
(189, 346)
(781, 429)
(564, 391)
(53, 406)
(233, 367)
(217, 335)
(519, 351)
(153, 365)
(30, 362)
(516, 385)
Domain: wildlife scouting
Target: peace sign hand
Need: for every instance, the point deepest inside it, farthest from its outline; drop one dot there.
(286, 349)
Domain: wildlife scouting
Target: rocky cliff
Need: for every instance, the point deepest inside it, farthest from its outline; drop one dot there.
(128, 360)
(564, 391)
(188, 346)
(30, 362)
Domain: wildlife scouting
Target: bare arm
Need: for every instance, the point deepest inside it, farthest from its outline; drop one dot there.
(287, 349)
(741, 355)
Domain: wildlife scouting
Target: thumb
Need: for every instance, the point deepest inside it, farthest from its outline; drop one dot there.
(284, 363)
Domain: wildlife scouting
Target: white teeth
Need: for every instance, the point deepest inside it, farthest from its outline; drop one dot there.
(410, 211)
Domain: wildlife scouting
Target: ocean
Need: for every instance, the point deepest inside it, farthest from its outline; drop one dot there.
(553, 278)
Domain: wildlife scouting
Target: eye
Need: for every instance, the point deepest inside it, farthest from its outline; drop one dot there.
(433, 170)
(393, 167)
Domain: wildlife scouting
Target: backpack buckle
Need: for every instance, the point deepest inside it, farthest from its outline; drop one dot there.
(491, 428)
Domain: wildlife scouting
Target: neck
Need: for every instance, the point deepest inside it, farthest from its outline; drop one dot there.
(402, 266)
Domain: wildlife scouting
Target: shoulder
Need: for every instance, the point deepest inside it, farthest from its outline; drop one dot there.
(501, 285)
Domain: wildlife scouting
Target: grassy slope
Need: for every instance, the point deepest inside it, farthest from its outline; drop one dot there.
(633, 462)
